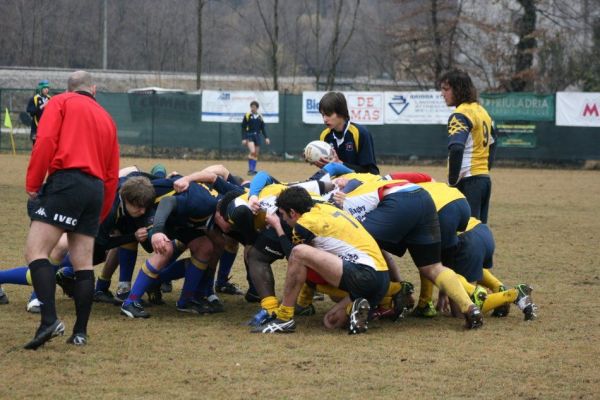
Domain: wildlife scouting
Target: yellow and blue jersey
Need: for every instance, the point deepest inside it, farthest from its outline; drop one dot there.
(367, 196)
(441, 194)
(355, 147)
(471, 126)
(335, 231)
(253, 123)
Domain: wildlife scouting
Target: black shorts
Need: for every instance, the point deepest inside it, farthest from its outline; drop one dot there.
(361, 280)
(267, 242)
(70, 200)
(475, 251)
(454, 218)
(478, 190)
(253, 137)
(184, 234)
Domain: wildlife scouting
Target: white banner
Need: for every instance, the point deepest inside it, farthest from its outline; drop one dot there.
(365, 108)
(577, 109)
(417, 108)
(231, 106)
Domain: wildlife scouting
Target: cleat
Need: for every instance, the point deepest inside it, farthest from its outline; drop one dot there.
(502, 311)
(251, 297)
(382, 313)
(45, 334)
(216, 306)
(134, 310)
(155, 296)
(123, 290)
(403, 301)
(259, 318)
(359, 316)
(318, 296)
(106, 297)
(3, 296)
(77, 339)
(426, 311)
(479, 295)
(166, 287)
(304, 311)
(194, 307)
(473, 317)
(66, 282)
(34, 306)
(524, 301)
(252, 173)
(276, 325)
(228, 288)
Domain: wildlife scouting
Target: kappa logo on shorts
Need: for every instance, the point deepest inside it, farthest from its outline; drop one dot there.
(65, 220)
(41, 212)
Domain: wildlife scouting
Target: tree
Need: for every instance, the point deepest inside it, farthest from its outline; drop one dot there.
(272, 31)
(336, 48)
(523, 76)
(201, 4)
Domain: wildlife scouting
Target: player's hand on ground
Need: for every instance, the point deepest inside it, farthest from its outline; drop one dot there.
(141, 234)
(181, 184)
(254, 204)
(443, 303)
(160, 243)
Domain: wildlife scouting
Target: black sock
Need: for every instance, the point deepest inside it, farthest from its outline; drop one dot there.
(83, 294)
(44, 283)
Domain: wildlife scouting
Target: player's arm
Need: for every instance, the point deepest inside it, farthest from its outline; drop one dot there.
(244, 126)
(111, 181)
(492, 149)
(366, 155)
(414, 177)
(43, 152)
(263, 128)
(31, 109)
(459, 129)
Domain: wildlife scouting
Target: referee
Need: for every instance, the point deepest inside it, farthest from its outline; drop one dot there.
(77, 148)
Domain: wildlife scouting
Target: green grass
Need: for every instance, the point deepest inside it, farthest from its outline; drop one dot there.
(547, 233)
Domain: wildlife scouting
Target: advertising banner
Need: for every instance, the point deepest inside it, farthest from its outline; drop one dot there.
(578, 109)
(519, 106)
(416, 108)
(515, 134)
(365, 108)
(231, 106)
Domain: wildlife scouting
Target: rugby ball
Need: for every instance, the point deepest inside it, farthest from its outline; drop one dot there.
(316, 150)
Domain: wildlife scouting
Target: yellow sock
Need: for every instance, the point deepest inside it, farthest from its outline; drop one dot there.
(393, 288)
(448, 282)
(200, 264)
(349, 308)
(499, 299)
(386, 302)
(305, 297)
(490, 281)
(469, 287)
(333, 292)
(285, 313)
(270, 303)
(426, 292)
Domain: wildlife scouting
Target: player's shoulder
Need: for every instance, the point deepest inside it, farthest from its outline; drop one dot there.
(324, 133)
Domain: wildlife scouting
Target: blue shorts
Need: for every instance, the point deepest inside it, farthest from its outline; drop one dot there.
(253, 137)
(361, 280)
(477, 189)
(475, 250)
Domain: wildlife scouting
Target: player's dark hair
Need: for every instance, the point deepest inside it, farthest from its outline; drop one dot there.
(138, 191)
(255, 103)
(226, 200)
(294, 198)
(334, 102)
(462, 86)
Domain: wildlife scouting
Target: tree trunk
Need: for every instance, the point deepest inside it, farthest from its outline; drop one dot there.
(201, 4)
(522, 79)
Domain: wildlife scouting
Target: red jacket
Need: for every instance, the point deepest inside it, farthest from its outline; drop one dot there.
(76, 133)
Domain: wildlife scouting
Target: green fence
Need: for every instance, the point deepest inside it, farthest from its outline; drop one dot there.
(169, 125)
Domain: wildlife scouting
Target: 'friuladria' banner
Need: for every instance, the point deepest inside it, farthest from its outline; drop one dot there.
(519, 106)
(578, 109)
(231, 106)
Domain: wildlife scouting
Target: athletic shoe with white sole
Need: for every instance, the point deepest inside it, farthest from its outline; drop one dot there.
(473, 317)
(134, 310)
(276, 325)
(77, 339)
(45, 334)
(359, 316)
(524, 301)
(34, 306)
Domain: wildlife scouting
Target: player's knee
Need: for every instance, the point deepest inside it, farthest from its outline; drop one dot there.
(300, 252)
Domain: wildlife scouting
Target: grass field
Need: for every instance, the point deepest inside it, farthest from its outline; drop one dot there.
(547, 233)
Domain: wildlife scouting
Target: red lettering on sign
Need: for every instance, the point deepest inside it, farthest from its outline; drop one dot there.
(591, 110)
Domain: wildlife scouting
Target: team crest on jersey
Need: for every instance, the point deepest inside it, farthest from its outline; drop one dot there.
(349, 147)
(455, 126)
